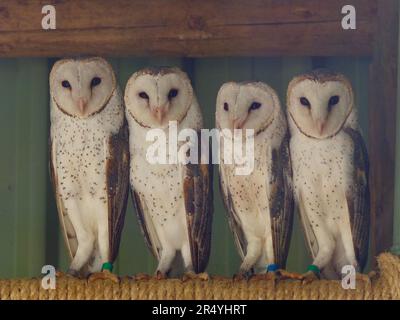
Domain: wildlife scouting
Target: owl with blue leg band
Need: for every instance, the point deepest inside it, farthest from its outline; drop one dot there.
(259, 204)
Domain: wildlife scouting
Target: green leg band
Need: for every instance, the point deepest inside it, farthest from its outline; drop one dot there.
(314, 269)
(107, 266)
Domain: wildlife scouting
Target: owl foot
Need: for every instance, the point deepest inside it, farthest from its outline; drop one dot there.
(141, 277)
(373, 275)
(309, 277)
(363, 277)
(289, 275)
(242, 275)
(71, 273)
(195, 276)
(268, 276)
(160, 276)
(104, 275)
(60, 274)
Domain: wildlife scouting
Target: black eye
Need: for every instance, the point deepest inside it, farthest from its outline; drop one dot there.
(172, 93)
(66, 84)
(304, 101)
(255, 105)
(143, 95)
(95, 81)
(226, 106)
(334, 100)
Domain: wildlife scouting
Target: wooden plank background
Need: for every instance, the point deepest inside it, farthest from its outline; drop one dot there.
(186, 28)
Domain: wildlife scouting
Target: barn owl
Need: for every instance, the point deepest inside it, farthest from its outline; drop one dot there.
(260, 204)
(89, 162)
(330, 172)
(173, 201)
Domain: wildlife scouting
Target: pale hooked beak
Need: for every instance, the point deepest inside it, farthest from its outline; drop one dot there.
(320, 125)
(239, 123)
(159, 113)
(82, 104)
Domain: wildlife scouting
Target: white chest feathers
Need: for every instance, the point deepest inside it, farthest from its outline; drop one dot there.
(81, 147)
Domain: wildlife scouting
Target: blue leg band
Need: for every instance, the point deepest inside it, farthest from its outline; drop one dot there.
(272, 267)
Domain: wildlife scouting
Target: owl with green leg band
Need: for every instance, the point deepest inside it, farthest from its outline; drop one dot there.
(89, 162)
(330, 172)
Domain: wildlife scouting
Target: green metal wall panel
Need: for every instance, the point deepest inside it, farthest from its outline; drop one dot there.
(29, 230)
(23, 173)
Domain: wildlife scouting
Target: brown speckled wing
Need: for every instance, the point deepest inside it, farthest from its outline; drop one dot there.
(65, 223)
(238, 235)
(145, 225)
(198, 195)
(358, 198)
(117, 170)
(281, 201)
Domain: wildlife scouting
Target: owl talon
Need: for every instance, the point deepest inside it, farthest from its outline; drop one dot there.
(203, 276)
(195, 276)
(71, 273)
(243, 275)
(238, 277)
(363, 277)
(309, 277)
(103, 275)
(160, 275)
(60, 274)
(141, 277)
(283, 274)
(373, 275)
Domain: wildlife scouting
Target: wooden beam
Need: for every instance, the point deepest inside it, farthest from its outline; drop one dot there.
(186, 28)
(382, 124)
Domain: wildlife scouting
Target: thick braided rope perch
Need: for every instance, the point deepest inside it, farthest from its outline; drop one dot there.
(386, 285)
